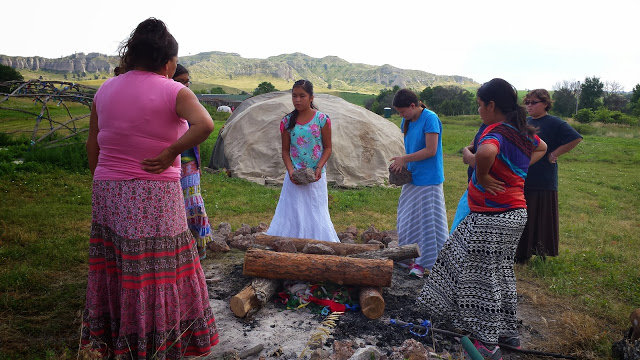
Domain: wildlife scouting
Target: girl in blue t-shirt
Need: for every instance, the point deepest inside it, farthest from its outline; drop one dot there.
(422, 217)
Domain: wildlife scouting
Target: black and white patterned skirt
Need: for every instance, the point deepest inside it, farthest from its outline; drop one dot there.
(472, 284)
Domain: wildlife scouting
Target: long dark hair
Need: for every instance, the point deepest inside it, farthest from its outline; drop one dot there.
(404, 98)
(505, 98)
(307, 86)
(180, 70)
(150, 46)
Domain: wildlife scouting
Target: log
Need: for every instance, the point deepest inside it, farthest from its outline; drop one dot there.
(339, 248)
(251, 351)
(371, 302)
(253, 296)
(317, 268)
(403, 252)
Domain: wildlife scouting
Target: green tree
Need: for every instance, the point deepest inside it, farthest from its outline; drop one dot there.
(263, 88)
(7, 73)
(382, 100)
(634, 101)
(217, 90)
(449, 100)
(591, 91)
(565, 97)
(614, 98)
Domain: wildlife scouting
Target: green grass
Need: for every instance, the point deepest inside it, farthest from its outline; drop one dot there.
(353, 97)
(46, 210)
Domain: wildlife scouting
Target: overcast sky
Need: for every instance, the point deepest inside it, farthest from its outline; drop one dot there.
(531, 44)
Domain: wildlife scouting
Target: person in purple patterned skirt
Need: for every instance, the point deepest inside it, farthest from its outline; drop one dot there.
(146, 292)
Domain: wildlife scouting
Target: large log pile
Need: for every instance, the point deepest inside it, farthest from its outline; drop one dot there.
(368, 265)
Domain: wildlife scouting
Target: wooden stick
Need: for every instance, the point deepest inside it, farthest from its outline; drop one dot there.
(308, 267)
(403, 252)
(339, 248)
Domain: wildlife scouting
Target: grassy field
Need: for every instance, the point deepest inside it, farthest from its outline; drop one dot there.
(46, 212)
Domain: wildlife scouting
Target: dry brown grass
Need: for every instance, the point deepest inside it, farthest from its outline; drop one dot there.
(562, 326)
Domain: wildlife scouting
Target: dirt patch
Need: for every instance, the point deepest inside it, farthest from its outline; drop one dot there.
(545, 324)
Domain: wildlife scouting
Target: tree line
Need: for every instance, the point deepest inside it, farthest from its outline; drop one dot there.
(587, 101)
(443, 100)
(593, 100)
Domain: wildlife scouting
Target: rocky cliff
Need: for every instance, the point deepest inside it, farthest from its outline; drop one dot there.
(77, 63)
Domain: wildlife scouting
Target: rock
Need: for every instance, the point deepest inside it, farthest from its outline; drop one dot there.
(412, 350)
(224, 228)
(303, 176)
(389, 236)
(284, 245)
(345, 235)
(348, 240)
(371, 234)
(353, 230)
(218, 243)
(319, 354)
(244, 229)
(262, 227)
(626, 349)
(342, 350)
(231, 355)
(399, 178)
(367, 353)
(319, 249)
(393, 244)
(242, 242)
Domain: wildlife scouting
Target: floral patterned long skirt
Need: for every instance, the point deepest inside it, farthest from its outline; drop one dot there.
(146, 292)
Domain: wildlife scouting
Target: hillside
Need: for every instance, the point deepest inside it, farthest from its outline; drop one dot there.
(231, 69)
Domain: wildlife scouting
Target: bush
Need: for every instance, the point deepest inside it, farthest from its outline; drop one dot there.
(584, 116)
(619, 117)
(603, 115)
(8, 73)
(584, 129)
(71, 156)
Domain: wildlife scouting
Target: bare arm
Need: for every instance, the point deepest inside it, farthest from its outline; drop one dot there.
(554, 155)
(538, 152)
(485, 157)
(326, 150)
(430, 150)
(93, 150)
(468, 157)
(286, 151)
(189, 108)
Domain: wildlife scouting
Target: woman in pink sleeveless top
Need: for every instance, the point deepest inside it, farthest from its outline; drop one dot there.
(146, 292)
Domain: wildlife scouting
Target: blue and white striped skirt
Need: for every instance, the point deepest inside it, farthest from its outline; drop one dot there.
(422, 219)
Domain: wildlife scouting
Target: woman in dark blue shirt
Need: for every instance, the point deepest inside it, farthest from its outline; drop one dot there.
(541, 234)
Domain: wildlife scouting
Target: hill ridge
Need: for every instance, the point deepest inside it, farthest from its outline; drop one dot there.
(216, 67)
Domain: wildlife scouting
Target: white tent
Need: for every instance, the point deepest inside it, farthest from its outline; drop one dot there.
(363, 142)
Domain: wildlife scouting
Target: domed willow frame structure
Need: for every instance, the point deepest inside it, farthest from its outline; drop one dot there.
(48, 94)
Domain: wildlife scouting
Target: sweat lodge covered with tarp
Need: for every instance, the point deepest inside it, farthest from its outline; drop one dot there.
(249, 144)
